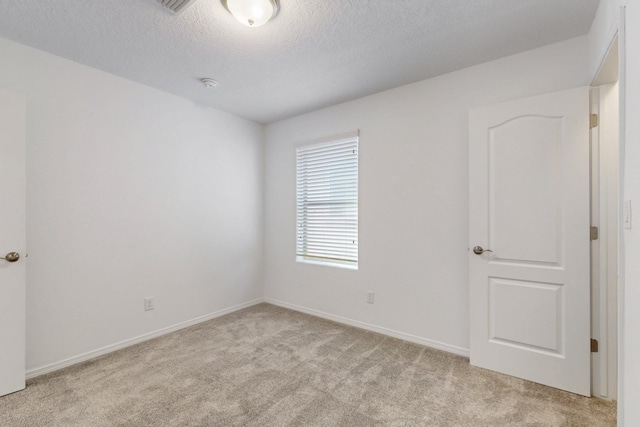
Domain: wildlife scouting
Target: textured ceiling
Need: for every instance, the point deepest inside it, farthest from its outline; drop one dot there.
(315, 53)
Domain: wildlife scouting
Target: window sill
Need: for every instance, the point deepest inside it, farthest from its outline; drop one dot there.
(327, 263)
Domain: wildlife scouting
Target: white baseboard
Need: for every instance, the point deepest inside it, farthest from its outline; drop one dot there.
(460, 351)
(132, 341)
(145, 337)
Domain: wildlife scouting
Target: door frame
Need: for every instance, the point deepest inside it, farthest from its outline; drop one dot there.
(617, 32)
(604, 254)
(605, 191)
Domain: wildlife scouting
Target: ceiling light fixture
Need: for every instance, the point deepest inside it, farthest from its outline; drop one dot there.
(252, 13)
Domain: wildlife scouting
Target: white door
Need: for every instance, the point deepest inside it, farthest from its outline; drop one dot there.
(12, 239)
(529, 205)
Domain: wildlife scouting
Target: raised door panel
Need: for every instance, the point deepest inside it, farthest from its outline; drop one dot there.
(524, 199)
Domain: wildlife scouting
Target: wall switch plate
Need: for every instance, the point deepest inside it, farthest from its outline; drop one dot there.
(148, 304)
(627, 214)
(370, 296)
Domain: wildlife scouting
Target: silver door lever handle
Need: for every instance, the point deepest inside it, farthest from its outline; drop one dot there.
(11, 257)
(479, 251)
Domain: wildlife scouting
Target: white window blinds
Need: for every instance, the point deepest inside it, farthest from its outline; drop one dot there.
(327, 201)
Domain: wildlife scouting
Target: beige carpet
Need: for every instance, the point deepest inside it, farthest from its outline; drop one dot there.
(267, 366)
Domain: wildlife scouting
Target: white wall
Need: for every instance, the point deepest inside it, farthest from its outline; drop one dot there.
(602, 33)
(413, 196)
(631, 354)
(131, 192)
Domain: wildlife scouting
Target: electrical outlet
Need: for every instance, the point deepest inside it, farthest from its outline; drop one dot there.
(148, 304)
(370, 296)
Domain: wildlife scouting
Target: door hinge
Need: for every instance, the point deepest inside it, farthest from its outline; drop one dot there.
(593, 121)
(594, 233)
(594, 346)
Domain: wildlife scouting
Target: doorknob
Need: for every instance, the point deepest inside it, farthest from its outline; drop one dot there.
(478, 250)
(11, 257)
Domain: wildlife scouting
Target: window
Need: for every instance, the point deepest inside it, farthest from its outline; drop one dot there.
(327, 202)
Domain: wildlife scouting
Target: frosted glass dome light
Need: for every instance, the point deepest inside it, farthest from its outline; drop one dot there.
(252, 13)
